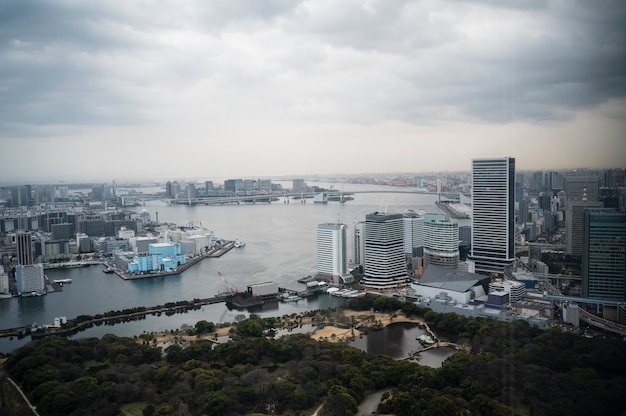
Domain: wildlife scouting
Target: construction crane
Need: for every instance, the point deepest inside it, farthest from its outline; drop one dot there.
(231, 289)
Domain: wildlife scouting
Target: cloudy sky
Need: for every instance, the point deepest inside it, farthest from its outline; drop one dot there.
(226, 88)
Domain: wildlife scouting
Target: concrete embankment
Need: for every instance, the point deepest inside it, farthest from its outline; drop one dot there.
(191, 262)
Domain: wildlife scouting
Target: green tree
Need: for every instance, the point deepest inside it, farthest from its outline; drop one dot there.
(251, 327)
(203, 327)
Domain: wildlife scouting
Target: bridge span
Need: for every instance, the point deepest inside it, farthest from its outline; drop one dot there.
(340, 196)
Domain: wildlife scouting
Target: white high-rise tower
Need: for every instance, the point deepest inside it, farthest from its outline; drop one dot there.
(493, 214)
(332, 252)
(385, 264)
(441, 241)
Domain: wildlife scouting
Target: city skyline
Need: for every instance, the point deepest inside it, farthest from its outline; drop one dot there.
(247, 89)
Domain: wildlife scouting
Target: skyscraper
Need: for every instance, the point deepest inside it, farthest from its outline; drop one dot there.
(385, 264)
(413, 233)
(493, 214)
(359, 243)
(441, 241)
(24, 248)
(604, 254)
(332, 250)
(30, 278)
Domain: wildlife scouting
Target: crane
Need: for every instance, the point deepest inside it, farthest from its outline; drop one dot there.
(231, 289)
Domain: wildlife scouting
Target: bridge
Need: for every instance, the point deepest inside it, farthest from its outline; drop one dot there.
(329, 195)
(602, 323)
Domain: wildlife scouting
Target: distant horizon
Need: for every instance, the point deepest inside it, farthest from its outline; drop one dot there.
(282, 177)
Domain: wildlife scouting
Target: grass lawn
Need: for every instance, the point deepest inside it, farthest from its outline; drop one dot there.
(133, 409)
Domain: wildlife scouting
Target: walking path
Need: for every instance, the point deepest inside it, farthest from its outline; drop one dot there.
(33, 408)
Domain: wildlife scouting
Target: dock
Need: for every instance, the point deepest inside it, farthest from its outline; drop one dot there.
(214, 253)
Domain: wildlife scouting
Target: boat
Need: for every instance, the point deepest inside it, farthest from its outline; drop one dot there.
(108, 270)
(239, 243)
(62, 281)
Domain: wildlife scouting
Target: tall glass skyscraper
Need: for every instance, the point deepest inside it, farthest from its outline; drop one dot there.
(493, 214)
(385, 263)
(604, 254)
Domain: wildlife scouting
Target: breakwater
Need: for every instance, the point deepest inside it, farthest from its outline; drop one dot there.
(83, 322)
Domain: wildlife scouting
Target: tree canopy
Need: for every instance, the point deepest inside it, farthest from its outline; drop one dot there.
(512, 369)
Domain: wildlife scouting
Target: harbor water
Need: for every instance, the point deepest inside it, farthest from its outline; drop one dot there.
(280, 247)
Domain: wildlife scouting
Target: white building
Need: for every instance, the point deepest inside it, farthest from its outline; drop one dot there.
(493, 214)
(125, 233)
(413, 233)
(516, 290)
(441, 241)
(30, 278)
(263, 289)
(359, 243)
(453, 286)
(385, 263)
(332, 252)
(203, 241)
(571, 314)
(4, 282)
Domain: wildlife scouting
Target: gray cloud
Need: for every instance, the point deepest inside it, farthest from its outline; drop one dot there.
(102, 63)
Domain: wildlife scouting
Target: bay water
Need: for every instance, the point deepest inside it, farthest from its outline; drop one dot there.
(280, 247)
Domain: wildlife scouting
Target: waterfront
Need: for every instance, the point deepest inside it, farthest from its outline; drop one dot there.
(281, 247)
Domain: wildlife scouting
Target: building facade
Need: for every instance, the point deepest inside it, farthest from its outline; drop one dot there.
(493, 214)
(385, 263)
(359, 243)
(30, 278)
(604, 254)
(332, 252)
(24, 248)
(441, 241)
(413, 233)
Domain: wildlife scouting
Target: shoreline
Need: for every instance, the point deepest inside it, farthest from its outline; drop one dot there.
(219, 252)
(327, 331)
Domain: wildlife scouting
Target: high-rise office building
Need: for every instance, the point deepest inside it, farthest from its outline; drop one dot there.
(385, 264)
(20, 196)
(30, 278)
(332, 252)
(581, 188)
(24, 248)
(413, 233)
(536, 184)
(604, 254)
(359, 243)
(574, 212)
(493, 214)
(441, 241)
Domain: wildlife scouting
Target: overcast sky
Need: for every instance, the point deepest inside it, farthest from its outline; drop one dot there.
(251, 88)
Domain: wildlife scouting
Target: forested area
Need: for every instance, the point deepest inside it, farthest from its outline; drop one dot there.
(513, 369)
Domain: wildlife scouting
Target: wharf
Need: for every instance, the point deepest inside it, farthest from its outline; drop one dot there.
(217, 252)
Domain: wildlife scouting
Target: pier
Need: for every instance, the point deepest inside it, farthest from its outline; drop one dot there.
(214, 253)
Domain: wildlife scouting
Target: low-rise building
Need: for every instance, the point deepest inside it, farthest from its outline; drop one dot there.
(263, 289)
(516, 290)
(461, 287)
